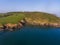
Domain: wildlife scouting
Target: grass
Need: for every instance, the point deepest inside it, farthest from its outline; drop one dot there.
(11, 19)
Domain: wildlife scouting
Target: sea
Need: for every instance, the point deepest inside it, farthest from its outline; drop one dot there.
(31, 36)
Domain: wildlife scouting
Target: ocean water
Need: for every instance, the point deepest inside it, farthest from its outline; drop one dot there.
(31, 36)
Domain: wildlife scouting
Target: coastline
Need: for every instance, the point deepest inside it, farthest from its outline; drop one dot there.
(25, 21)
(16, 20)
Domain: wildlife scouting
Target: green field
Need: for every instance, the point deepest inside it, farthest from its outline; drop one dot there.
(11, 19)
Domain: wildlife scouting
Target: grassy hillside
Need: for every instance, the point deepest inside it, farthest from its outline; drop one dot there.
(43, 17)
(11, 19)
(14, 17)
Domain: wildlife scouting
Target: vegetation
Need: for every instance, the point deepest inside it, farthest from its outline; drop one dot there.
(11, 18)
(14, 17)
(43, 17)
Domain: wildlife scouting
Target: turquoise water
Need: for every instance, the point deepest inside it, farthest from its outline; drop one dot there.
(31, 36)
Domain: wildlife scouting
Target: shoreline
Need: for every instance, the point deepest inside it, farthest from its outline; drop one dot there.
(22, 23)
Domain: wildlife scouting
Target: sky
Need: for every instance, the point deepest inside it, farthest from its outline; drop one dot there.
(49, 6)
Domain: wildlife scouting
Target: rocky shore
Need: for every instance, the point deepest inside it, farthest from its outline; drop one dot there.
(26, 21)
(12, 27)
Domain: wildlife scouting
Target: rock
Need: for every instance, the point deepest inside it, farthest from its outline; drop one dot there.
(23, 22)
(19, 25)
(11, 27)
(4, 26)
(8, 25)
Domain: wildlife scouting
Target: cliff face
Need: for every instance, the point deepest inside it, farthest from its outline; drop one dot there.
(10, 26)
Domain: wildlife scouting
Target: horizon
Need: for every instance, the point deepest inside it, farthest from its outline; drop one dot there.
(48, 6)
